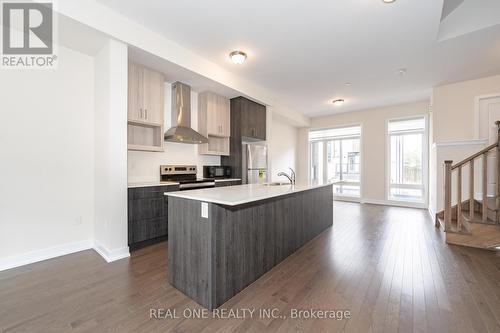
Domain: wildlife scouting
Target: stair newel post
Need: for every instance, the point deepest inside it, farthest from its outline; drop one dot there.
(447, 194)
(485, 187)
(459, 198)
(497, 201)
(471, 190)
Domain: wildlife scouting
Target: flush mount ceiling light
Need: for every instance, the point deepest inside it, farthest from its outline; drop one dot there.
(401, 72)
(238, 57)
(338, 102)
(389, 1)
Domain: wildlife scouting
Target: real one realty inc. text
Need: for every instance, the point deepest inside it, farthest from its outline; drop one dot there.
(248, 313)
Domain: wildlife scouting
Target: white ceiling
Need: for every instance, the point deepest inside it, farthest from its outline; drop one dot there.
(305, 51)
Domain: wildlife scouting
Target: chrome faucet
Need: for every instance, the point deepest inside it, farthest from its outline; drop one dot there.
(293, 175)
(290, 177)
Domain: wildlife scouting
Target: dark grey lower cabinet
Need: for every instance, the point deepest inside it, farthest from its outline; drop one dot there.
(148, 215)
(227, 183)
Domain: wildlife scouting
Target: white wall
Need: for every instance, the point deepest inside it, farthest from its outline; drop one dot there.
(373, 123)
(453, 114)
(456, 102)
(283, 147)
(46, 158)
(303, 154)
(111, 90)
(145, 166)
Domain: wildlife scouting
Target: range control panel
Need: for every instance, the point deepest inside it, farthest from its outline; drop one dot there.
(178, 169)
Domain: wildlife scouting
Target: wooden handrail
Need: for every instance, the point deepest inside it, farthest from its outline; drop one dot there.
(472, 157)
(449, 167)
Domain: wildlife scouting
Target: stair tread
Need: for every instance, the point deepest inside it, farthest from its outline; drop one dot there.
(490, 203)
(452, 227)
(478, 219)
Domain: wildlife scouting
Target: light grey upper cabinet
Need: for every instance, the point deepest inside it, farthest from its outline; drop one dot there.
(154, 89)
(214, 122)
(145, 95)
(145, 108)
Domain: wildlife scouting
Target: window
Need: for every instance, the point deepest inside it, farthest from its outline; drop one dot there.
(407, 159)
(335, 157)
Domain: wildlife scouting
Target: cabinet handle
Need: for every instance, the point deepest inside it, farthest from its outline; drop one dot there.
(140, 113)
(146, 113)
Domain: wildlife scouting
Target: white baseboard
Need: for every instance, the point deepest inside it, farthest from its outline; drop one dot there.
(347, 199)
(432, 214)
(44, 254)
(111, 255)
(393, 203)
(61, 250)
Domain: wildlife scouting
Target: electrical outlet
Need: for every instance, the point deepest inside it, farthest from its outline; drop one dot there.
(204, 210)
(78, 221)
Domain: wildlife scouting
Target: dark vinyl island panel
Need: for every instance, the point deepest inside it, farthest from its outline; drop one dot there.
(212, 259)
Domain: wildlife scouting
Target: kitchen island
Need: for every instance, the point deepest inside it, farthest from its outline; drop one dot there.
(223, 239)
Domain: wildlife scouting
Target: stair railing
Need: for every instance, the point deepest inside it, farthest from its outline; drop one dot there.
(449, 168)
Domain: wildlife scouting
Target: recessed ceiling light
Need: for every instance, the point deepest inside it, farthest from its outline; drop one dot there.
(338, 102)
(348, 83)
(238, 57)
(389, 1)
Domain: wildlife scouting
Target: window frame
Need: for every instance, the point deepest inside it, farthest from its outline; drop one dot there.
(361, 158)
(425, 163)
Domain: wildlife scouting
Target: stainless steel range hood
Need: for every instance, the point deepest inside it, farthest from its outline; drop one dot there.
(181, 130)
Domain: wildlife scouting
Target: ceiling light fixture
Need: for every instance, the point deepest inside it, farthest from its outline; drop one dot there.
(338, 102)
(389, 1)
(401, 72)
(238, 57)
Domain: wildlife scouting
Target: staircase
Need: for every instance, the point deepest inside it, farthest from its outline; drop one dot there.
(473, 222)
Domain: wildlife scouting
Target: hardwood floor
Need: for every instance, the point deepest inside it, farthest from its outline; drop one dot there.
(388, 266)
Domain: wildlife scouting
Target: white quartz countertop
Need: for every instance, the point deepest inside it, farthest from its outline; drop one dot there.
(242, 194)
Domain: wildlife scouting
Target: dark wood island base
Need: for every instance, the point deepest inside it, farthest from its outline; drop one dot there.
(212, 259)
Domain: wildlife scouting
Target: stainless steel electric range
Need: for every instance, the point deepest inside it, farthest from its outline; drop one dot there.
(185, 175)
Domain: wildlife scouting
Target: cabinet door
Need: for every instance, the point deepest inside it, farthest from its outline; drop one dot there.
(153, 92)
(260, 122)
(247, 119)
(135, 93)
(147, 213)
(213, 122)
(224, 116)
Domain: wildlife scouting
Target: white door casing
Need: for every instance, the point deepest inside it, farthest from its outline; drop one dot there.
(488, 114)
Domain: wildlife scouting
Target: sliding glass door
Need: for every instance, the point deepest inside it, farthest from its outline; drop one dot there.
(407, 160)
(335, 157)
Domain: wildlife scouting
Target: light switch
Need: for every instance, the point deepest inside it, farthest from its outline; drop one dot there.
(204, 210)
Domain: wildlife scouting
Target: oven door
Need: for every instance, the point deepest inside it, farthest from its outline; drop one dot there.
(219, 172)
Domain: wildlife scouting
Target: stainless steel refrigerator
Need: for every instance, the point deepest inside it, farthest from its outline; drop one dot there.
(255, 163)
